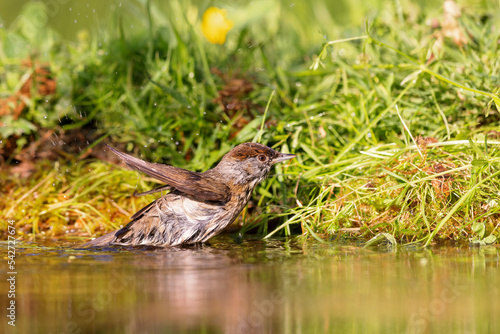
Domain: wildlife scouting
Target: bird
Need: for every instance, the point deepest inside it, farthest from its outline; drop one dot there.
(197, 205)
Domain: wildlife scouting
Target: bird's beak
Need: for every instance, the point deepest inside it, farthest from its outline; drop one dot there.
(283, 157)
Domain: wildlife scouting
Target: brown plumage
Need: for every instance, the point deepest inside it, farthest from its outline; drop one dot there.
(198, 205)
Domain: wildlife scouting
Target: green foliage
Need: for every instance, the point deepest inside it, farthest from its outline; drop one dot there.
(396, 129)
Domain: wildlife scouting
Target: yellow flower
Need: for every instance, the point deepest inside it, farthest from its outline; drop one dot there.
(215, 25)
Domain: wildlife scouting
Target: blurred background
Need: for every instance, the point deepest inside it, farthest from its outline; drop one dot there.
(101, 53)
(316, 18)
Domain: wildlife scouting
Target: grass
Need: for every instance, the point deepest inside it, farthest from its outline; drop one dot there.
(396, 129)
(70, 200)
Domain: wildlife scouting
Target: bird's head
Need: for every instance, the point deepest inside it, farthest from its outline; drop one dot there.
(249, 163)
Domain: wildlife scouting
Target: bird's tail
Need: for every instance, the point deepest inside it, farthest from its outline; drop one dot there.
(105, 240)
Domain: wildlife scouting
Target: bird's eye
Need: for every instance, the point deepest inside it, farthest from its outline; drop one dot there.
(261, 157)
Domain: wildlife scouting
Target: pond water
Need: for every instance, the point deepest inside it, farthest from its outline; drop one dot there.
(254, 286)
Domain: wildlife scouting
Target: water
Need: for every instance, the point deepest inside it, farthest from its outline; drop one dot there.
(255, 287)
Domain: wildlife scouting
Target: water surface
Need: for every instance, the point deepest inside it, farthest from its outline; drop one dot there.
(254, 286)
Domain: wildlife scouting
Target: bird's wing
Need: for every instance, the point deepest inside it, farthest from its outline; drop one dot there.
(152, 191)
(185, 181)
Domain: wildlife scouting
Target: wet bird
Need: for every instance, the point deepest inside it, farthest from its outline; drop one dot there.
(197, 206)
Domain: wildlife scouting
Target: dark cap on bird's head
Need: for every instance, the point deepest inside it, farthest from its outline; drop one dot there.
(250, 150)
